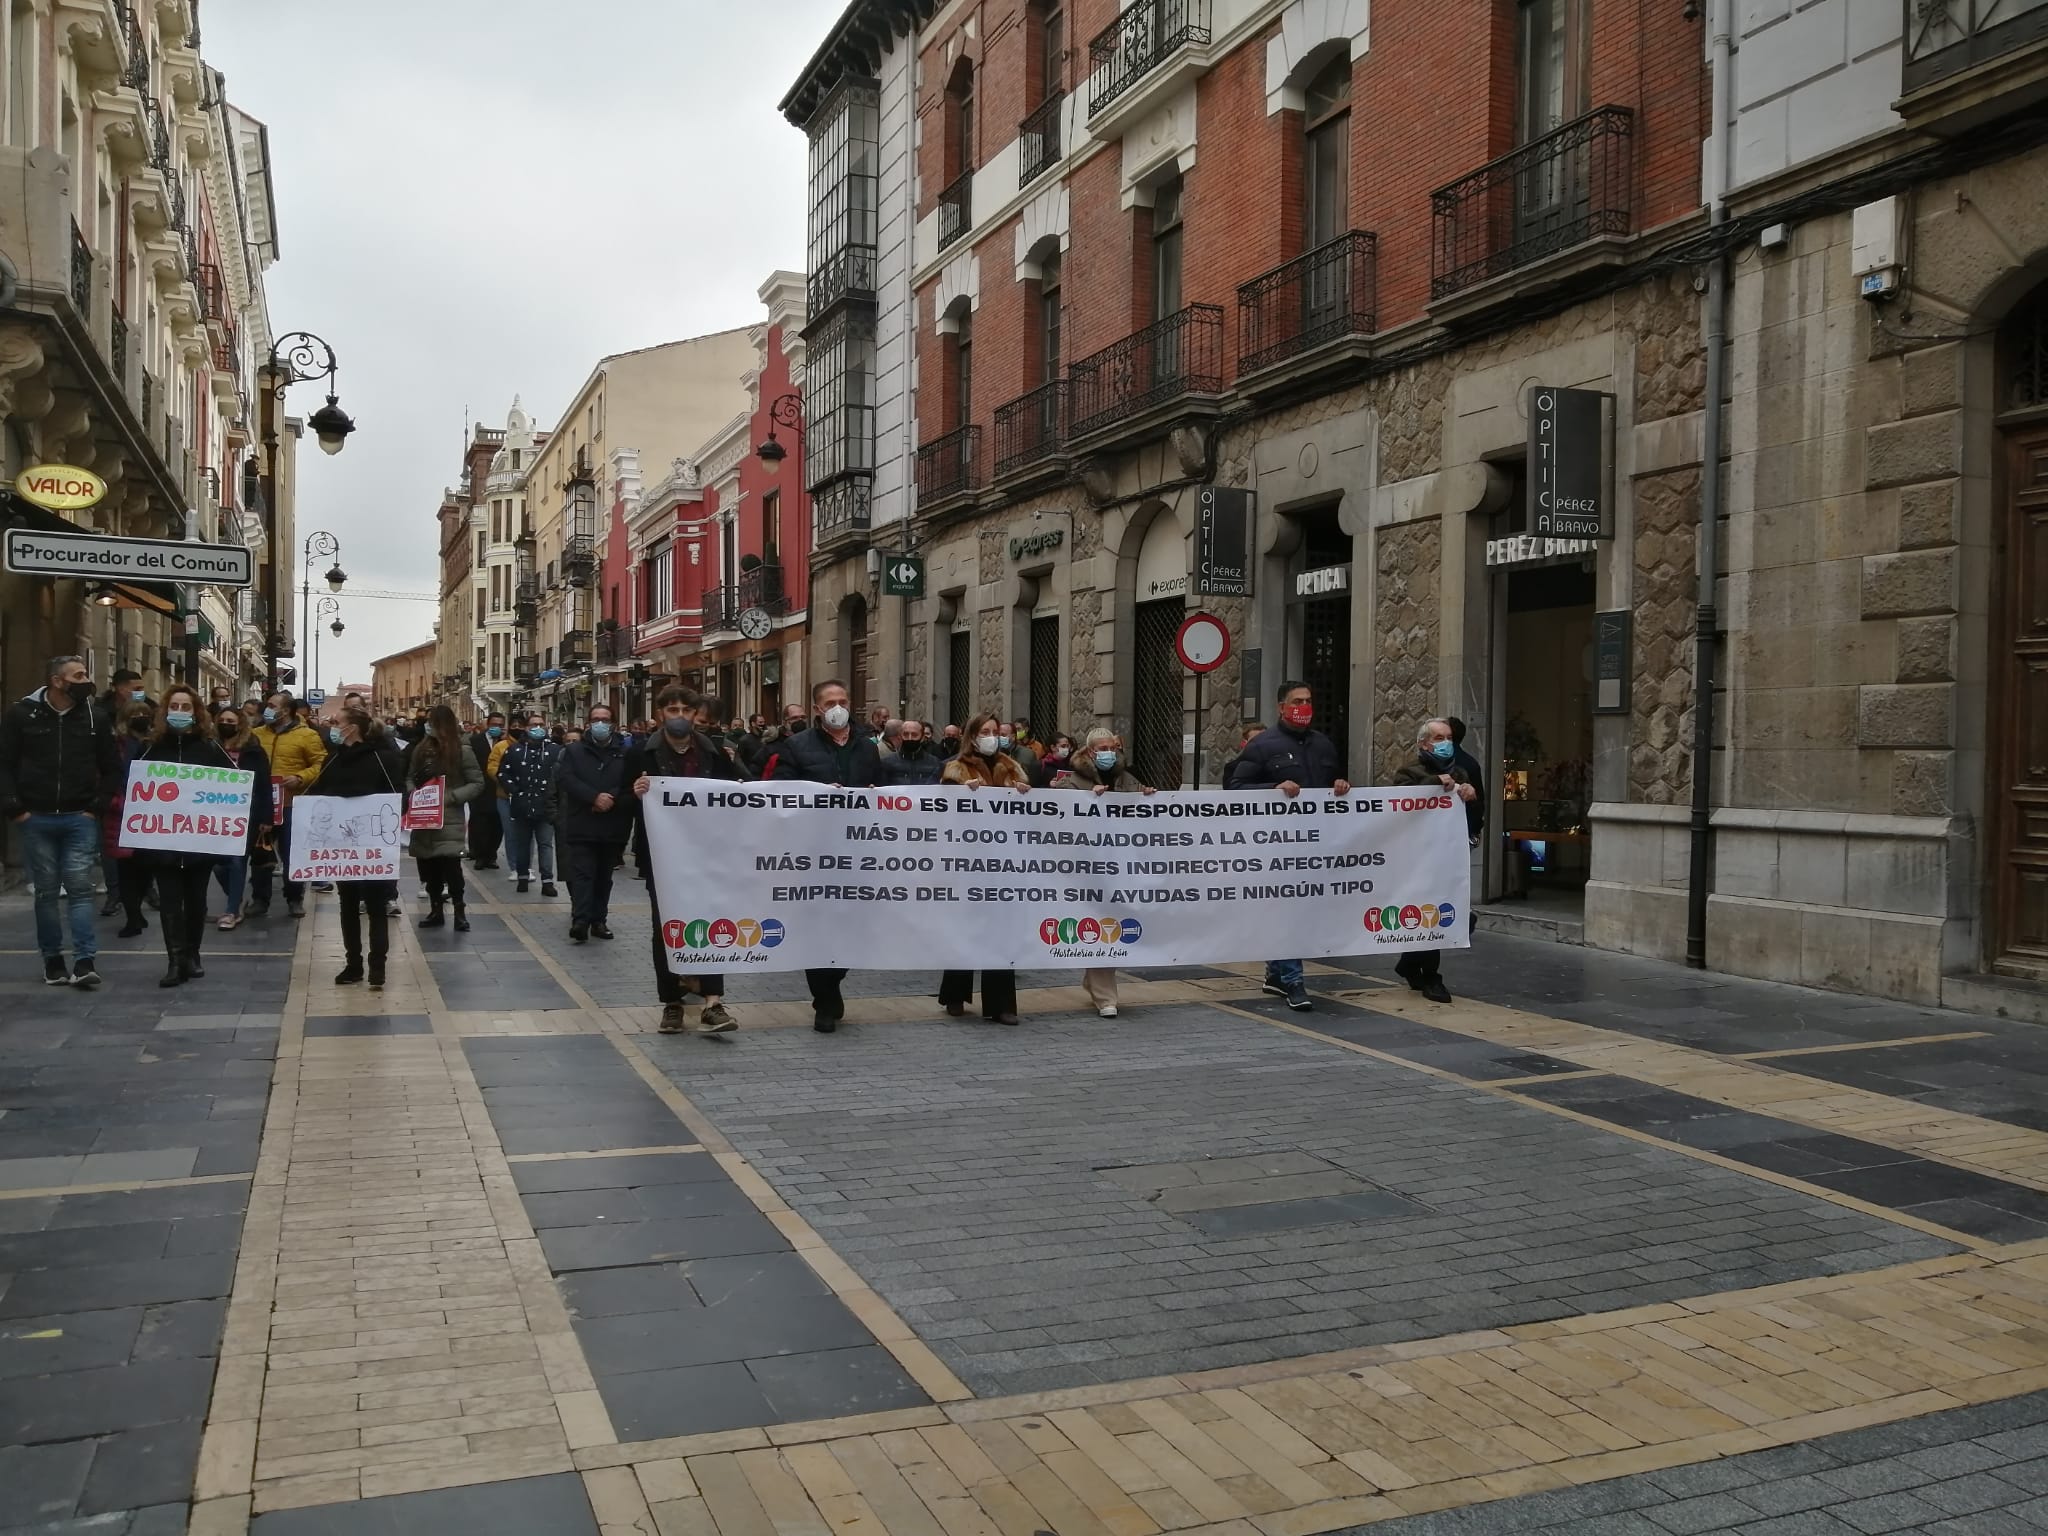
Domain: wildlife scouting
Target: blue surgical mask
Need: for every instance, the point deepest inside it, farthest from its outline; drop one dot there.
(334, 734)
(494, 732)
(1104, 761)
(600, 730)
(1443, 751)
(1003, 742)
(178, 719)
(536, 733)
(270, 717)
(677, 727)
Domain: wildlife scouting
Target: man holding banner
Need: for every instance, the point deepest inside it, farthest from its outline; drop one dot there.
(187, 808)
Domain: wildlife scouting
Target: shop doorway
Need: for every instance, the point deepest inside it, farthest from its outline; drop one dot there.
(1157, 721)
(1543, 753)
(1319, 639)
(2020, 714)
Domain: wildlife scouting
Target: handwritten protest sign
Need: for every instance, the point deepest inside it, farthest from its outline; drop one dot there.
(425, 812)
(344, 838)
(187, 808)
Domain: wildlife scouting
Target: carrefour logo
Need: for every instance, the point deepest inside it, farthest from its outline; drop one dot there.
(723, 933)
(1427, 915)
(1090, 930)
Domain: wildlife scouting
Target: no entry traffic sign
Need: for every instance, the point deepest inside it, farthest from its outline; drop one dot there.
(1203, 644)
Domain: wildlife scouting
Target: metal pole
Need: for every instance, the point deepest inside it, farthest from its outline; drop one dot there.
(309, 637)
(267, 388)
(1198, 731)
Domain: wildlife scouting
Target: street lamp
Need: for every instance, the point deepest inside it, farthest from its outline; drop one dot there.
(295, 357)
(787, 411)
(327, 605)
(322, 545)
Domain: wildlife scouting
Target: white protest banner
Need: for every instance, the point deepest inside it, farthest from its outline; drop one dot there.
(187, 808)
(786, 876)
(344, 838)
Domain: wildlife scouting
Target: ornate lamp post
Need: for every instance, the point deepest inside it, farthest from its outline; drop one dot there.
(327, 605)
(293, 358)
(320, 545)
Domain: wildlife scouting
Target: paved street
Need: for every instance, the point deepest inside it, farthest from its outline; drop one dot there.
(1603, 1246)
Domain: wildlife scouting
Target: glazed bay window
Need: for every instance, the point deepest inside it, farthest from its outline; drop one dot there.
(844, 135)
(839, 412)
(659, 596)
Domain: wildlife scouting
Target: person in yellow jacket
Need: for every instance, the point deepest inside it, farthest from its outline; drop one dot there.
(296, 754)
(500, 805)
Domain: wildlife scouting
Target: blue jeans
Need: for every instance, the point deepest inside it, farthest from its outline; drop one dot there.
(61, 853)
(1284, 973)
(233, 875)
(522, 836)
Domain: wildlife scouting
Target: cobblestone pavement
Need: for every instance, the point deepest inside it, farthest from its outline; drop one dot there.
(1603, 1246)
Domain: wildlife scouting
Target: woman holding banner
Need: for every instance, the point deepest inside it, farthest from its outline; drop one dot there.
(242, 750)
(443, 754)
(362, 761)
(1099, 769)
(183, 734)
(983, 764)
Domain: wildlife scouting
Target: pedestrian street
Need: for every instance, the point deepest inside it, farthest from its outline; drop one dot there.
(1604, 1245)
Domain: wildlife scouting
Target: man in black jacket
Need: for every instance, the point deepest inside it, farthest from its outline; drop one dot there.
(486, 829)
(913, 761)
(830, 752)
(59, 767)
(1291, 757)
(676, 749)
(598, 795)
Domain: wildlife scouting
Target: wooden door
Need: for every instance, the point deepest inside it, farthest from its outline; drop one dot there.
(2019, 714)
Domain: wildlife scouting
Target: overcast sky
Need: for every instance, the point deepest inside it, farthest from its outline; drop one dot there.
(480, 198)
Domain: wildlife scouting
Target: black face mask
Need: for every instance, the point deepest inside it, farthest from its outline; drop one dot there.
(913, 748)
(139, 725)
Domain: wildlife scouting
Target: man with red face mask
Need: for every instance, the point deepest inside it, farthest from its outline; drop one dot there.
(1291, 757)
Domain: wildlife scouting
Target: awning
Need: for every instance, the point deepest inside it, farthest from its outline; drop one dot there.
(156, 596)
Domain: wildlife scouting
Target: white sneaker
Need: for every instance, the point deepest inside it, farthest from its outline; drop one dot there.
(1106, 1011)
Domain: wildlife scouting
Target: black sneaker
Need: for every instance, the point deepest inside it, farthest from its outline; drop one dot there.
(85, 974)
(672, 1020)
(824, 1024)
(349, 974)
(525, 886)
(1298, 998)
(578, 933)
(55, 972)
(547, 887)
(1274, 989)
(1435, 990)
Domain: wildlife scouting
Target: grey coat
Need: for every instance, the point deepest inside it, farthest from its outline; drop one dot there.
(465, 785)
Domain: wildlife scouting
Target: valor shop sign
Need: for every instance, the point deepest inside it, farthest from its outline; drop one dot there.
(60, 487)
(1569, 464)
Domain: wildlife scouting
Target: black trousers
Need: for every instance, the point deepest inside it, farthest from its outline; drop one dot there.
(360, 899)
(181, 895)
(442, 877)
(1420, 964)
(825, 999)
(998, 990)
(668, 986)
(590, 881)
(264, 875)
(132, 878)
(486, 832)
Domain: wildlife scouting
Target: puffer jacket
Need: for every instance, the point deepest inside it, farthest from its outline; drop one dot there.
(812, 757)
(1001, 771)
(57, 763)
(526, 777)
(1280, 756)
(465, 786)
(294, 748)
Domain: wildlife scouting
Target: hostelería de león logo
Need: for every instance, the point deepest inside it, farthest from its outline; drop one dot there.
(723, 933)
(1414, 923)
(1111, 935)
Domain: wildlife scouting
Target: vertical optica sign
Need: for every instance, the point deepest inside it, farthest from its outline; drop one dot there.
(1568, 464)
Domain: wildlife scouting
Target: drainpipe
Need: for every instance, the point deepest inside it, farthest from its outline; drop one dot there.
(1707, 622)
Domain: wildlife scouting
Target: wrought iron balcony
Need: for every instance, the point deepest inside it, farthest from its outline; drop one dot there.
(227, 349)
(762, 587)
(576, 648)
(610, 646)
(579, 559)
(956, 209)
(1038, 139)
(117, 339)
(948, 467)
(525, 612)
(136, 72)
(1144, 37)
(81, 273)
(526, 669)
(1180, 355)
(1316, 298)
(1032, 429)
(1945, 37)
(159, 134)
(848, 273)
(840, 512)
(213, 293)
(1551, 194)
(721, 609)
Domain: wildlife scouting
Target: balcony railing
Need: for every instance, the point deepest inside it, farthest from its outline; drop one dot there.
(841, 511)
(1180, 355)
(227, 349)
(159, 136)
(1551, 194)
(1144, 37)
(525, 669)
(1945, 37)
(136, 74)
(1316, 298)
(117, 339)
(721, 608)
(579, 557)
(949, 466)
(576, 648)
(1038, 139)
(848, 272)
(956, 209)
(213, 293)
(81, 273)
(609, 645)
(762, 587)
(1031, 429)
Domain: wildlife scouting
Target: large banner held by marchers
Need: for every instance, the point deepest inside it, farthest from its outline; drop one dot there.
(187, 808)
(784, 876)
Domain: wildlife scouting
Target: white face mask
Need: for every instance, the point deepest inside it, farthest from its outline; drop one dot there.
(836, 717)
(986, 745)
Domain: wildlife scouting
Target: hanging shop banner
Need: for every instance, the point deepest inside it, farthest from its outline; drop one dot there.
(353, 837)
(785, 876)
(1568, 463)
(187, 808)
(1223, 542)
(424, 812)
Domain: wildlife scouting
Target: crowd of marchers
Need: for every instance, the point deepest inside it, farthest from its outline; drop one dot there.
(553, 798)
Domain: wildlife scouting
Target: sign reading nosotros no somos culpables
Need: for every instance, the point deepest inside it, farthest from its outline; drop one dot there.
(353, 837)
(784, 876)
(187, 808)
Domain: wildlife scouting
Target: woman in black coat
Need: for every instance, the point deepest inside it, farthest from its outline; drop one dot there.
(362, 759)
(184, 734)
